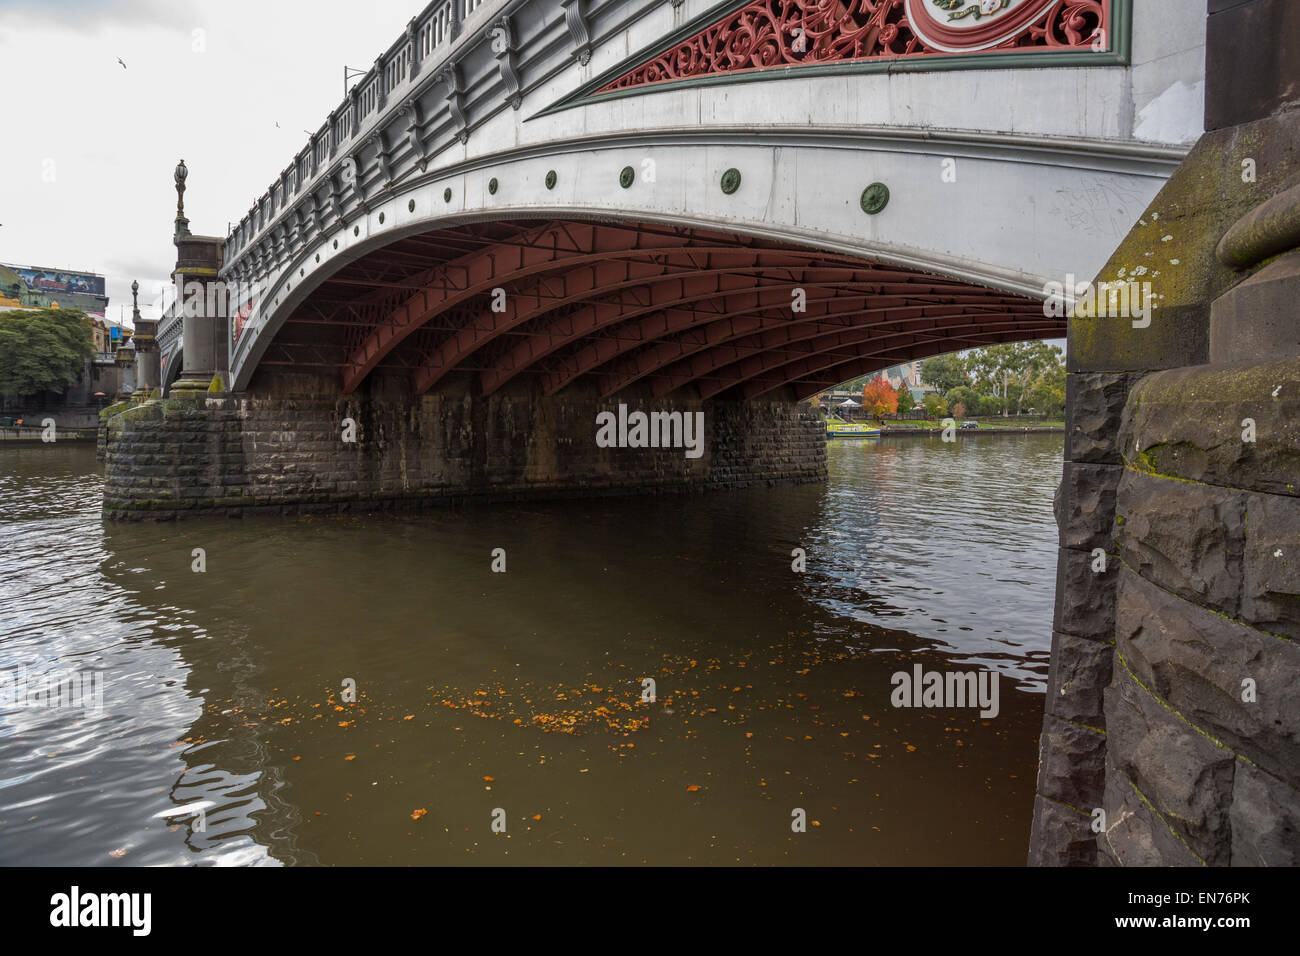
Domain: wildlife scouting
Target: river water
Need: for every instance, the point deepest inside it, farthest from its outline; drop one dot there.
(225, 731)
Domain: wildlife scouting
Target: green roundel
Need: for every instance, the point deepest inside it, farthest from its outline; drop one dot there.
(875, 198)
(446, 194)
(731, 181)
(551, 179)
(627, 177)
(410, 206)
(492, 185)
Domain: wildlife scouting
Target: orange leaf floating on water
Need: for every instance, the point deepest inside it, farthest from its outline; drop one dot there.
(345, 723)
(348, 757)
(490, 779)
(418, 813)
(409, 717)
(910, 748)
(337, 707)
(537, 816)
(692, 788)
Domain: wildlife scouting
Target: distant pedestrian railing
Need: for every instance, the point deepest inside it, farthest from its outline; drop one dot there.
(435, 28)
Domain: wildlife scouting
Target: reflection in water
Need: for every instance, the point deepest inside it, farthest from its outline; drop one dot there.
(523, 691)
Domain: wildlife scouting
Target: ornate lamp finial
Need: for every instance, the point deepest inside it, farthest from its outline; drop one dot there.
(135, 301)
(182, 224)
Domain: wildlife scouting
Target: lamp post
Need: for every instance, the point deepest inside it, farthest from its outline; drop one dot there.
(182, 224)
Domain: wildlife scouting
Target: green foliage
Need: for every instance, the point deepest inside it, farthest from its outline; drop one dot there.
(973, 402)
(1005, 372)
(934, 405)
(1046, 394)
(905, 400)
(945, 372)
(43, 350)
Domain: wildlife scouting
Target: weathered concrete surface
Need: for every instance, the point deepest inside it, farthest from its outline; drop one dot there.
(285, 452)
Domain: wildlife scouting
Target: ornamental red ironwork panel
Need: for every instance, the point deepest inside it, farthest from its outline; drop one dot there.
(767, 34)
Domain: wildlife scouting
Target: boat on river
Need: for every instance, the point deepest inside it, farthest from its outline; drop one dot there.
(838, 428)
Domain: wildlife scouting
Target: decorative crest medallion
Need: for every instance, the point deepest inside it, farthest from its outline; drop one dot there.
(964, 26)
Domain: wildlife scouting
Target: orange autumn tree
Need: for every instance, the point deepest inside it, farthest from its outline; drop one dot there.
(879, 397)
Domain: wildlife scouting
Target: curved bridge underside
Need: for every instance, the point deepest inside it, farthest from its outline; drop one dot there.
(554, 302)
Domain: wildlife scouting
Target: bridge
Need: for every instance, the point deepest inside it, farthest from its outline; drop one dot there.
(679, 202)
(530, 213)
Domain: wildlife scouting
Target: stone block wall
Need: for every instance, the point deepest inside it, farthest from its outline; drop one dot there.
(282, 450)
(1175, 668)
(1200, 711)
(1178, 586)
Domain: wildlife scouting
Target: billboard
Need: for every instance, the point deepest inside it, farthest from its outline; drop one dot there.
(57, 280)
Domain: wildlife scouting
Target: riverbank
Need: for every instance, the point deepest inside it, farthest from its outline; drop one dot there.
(33, 435)
(909, 430)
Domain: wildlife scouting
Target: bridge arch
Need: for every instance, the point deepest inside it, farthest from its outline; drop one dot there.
(614, 301)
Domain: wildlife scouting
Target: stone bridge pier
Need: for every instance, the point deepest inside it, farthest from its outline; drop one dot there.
(1172, 735)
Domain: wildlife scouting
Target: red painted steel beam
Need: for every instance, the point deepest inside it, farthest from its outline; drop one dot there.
(849, 367)
(631, 276)
(814, 350)
(603, 350)
(550, 247)
(678, 291)
(704, 365)
(720, 349)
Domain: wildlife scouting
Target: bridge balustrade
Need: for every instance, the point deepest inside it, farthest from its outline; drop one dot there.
(434, 28)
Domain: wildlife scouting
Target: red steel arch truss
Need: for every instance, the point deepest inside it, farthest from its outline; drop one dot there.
(613, 305)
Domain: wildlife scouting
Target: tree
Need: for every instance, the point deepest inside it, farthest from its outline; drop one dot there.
(934, 405)
(1046, 394)
(971, 401)
(905, 400)
(945, 372)
(43, 351)
(1005, 371)
(879, 397)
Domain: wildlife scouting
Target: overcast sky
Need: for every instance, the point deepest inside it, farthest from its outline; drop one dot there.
(87, 148)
